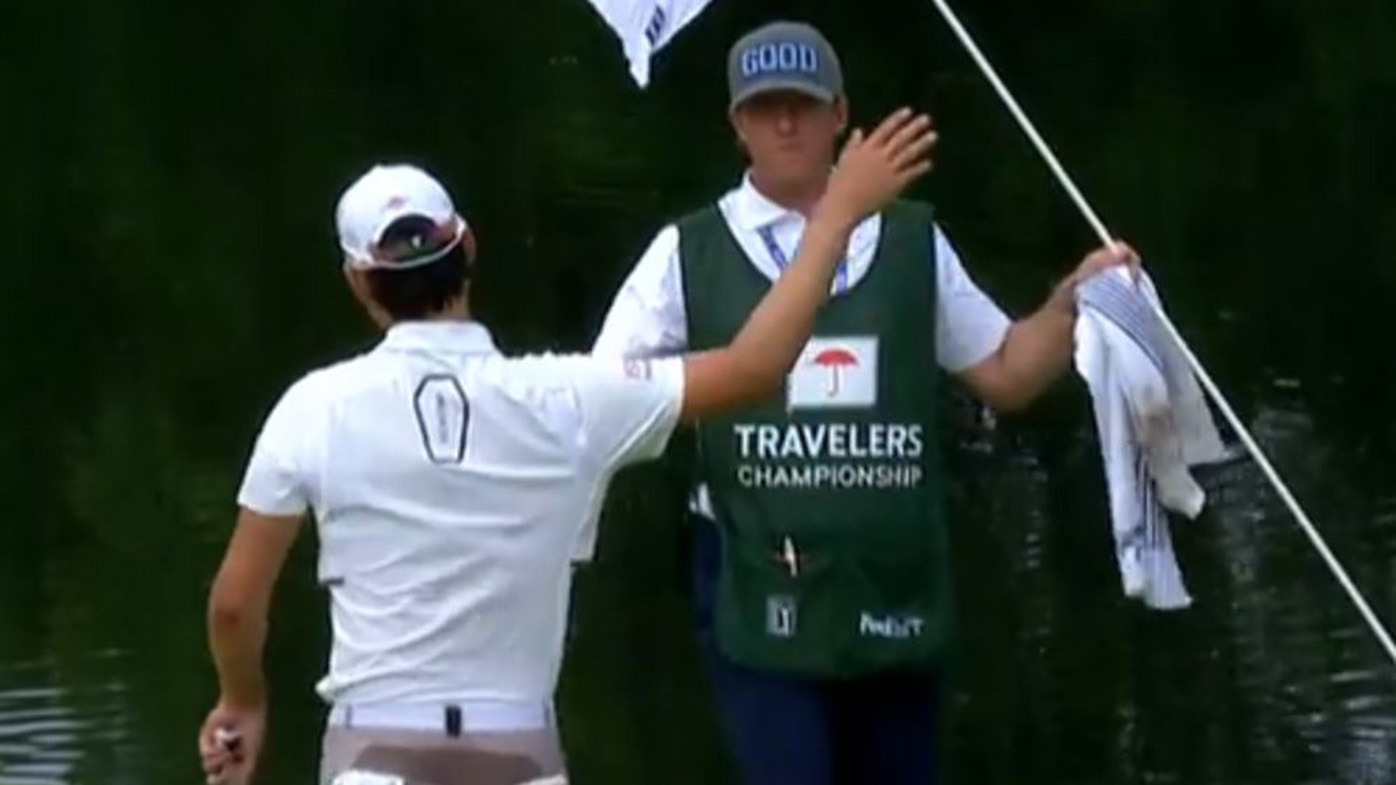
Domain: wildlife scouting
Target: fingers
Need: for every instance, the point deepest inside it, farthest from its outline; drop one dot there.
(217, 776)
(905, 139)
(1130, 257)
(218, 767)
(221, 754)
(909, 174)
(889, 127)
(1119, 252)
(228, 739)
(908, 133)
(229, 771)
(916, 151)
(227, 775)
(215, 763)
(228, 744)
(1115, 254)
(219, 761)
(211, 752)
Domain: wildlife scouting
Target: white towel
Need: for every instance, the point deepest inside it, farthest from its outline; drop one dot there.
(1153, 424)
(645, 26)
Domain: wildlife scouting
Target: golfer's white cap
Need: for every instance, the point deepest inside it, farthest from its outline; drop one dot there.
(383, 195)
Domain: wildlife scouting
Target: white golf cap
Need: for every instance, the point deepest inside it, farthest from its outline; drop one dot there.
(383, 195)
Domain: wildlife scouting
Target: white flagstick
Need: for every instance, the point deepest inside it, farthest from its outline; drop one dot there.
(1106, 238)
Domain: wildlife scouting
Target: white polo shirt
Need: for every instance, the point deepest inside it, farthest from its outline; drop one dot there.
(451, 486)
(647, 317)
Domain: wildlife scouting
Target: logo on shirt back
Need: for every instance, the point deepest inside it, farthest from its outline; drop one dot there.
(835, 372)
(443, 417)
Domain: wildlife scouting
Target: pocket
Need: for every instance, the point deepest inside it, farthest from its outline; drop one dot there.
(854, 606)
(772, 617)
(899, 609)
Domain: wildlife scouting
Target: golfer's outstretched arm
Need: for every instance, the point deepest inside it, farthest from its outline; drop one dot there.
(871, 172)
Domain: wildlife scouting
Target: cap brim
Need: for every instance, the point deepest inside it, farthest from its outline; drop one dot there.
(392, 216)
(365, 260)
(782, 85)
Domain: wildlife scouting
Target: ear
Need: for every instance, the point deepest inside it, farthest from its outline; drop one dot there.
(357, 284)
(734, 116)
(841, 113)
(467, 242)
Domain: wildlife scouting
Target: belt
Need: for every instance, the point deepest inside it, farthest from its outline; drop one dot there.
(449, 718)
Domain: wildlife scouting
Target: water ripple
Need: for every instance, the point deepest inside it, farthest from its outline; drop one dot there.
(46, 731)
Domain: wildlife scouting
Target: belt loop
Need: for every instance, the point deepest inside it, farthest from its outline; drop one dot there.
(348, 717)
(453, 720)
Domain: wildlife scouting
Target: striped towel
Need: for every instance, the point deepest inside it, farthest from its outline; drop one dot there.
(1153, 424)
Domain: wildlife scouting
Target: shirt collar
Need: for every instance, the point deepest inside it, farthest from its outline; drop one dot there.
(755, 211)
(457, 336)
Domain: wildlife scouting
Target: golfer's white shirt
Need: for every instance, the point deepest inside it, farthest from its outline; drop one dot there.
(648, 318)
(451, 486)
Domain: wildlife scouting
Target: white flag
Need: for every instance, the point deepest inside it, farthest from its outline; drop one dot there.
(645, 26)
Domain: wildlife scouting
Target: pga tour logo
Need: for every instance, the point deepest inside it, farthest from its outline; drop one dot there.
(780, 616)
(834, 372)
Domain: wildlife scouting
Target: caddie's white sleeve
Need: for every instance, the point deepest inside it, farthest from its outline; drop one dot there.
(629, 407)
(275, 480)
(969, 325)
(647, 316)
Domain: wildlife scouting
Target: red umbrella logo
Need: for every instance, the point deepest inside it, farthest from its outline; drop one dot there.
(835, 360)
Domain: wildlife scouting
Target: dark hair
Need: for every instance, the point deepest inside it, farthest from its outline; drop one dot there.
(418, 292)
